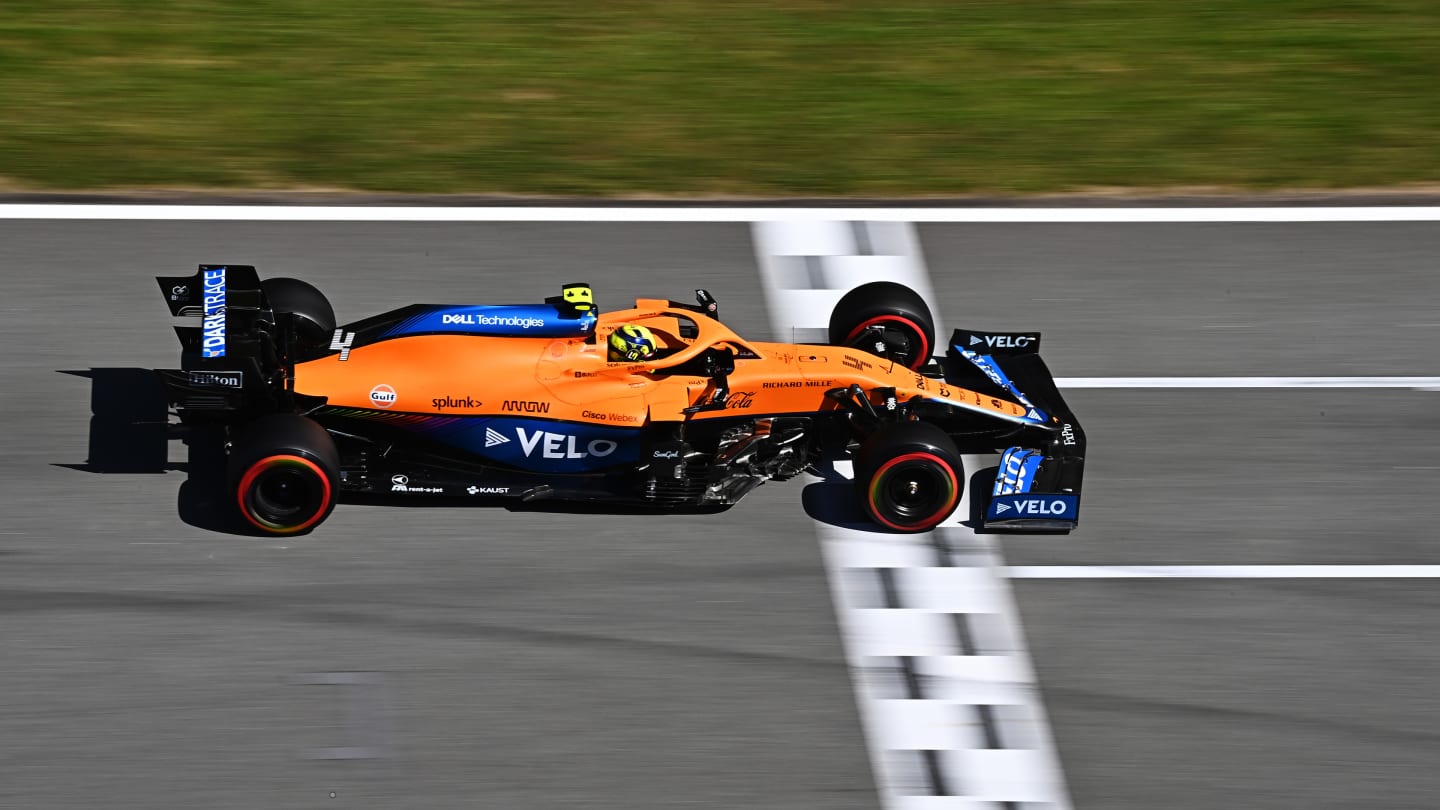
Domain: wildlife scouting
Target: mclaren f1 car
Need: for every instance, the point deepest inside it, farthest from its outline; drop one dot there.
(525, 405)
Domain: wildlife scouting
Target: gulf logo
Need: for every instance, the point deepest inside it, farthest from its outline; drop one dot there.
(382, 396)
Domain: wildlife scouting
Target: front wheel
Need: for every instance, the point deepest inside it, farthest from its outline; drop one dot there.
(909, 476)
(886, 319)
(284, 471)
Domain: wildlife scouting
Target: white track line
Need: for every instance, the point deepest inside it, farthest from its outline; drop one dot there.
(419, 213)
(943, 682)
(1222, 572)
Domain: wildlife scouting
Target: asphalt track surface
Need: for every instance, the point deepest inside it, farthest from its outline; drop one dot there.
(473, 657)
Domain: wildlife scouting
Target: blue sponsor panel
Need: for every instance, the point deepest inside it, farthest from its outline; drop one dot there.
(212, 338)
(541, 445)
(1018, 467)
(997, 375)
(1033, 507)
(506, 320)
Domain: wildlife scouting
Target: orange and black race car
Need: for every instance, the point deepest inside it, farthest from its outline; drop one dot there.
(657, 408)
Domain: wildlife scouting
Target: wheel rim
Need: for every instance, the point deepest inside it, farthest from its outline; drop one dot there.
(913, 492)
(284, 494)
(904, 340)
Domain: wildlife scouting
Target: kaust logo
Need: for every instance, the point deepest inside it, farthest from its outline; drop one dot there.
(213, 327)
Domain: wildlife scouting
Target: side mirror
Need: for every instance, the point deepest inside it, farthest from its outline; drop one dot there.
(707, 303)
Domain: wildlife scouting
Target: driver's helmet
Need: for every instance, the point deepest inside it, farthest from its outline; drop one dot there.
(631, 342)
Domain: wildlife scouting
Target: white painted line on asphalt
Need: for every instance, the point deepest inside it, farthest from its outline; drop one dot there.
(943, 682)
(1416, 383)
(1222, 572)
(420, 213)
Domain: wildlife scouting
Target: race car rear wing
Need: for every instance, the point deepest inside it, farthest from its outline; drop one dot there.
(1037, 485)
(228, 353)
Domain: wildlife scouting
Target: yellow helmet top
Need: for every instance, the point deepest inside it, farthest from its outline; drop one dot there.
(631, 342)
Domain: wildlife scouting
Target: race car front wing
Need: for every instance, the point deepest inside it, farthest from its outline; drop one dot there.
(1037, 488)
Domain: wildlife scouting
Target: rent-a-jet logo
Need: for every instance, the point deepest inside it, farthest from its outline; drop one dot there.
(213, 327)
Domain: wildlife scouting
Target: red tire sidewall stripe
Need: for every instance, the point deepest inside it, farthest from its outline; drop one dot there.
(931, 521)
(920, 358)
(270, 461)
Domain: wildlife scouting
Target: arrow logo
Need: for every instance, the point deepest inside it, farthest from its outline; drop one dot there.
(494, 437)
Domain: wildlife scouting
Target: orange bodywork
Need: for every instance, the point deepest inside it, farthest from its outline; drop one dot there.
(571, 379)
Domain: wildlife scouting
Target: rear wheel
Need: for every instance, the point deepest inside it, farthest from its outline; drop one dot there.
(887, 319)
(909, 476)
(284, 471)
(313, 316)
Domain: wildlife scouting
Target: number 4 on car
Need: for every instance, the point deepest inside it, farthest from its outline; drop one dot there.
(657, 408)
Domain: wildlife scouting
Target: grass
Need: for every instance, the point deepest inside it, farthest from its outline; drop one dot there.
(742, 97)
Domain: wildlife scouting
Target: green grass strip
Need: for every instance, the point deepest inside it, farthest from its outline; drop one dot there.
(683, 97)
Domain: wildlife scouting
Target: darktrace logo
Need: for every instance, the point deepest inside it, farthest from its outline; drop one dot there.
(213, 327)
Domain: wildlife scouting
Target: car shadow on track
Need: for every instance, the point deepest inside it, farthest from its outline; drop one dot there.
(130, 433)
(833, 500)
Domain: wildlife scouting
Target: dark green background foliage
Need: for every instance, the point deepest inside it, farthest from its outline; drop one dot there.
(864, 97)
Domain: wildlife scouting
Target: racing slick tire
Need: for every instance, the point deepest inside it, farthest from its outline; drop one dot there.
(284, 471)
(909, 476)
(314, 317)
(907, 331)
